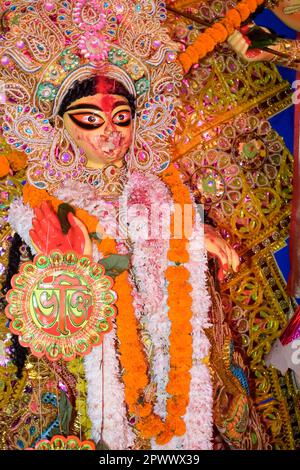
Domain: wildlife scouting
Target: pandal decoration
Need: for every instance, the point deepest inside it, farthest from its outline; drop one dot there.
(281, 402)
(61, 305)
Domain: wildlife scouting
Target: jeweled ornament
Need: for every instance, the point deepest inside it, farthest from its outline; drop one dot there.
(63, 443)
(61, 305)
(209, 183)
(249, 151)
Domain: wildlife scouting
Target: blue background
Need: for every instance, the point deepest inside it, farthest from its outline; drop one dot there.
(283, 122)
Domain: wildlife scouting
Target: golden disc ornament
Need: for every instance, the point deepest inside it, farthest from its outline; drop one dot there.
(63, 443)
(61, 305)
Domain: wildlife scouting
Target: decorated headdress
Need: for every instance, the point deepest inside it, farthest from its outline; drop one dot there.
(48, 45)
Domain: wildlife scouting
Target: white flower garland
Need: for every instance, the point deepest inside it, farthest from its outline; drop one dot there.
(20, 217)
(117, 433)
(150, 262)
(199, 417)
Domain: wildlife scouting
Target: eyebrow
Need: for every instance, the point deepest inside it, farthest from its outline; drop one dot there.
(94, 106)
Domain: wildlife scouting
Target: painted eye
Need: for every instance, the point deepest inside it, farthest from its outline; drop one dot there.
(91, 120)
(122, 118)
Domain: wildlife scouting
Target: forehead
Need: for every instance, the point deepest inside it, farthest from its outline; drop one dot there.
(105, 101)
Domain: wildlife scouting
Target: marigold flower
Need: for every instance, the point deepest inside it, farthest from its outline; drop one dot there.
(252, 5)
(179, 427)
(243, 10)
(164, 437)
(17, 160)
(234, 17)
(177, 405)
(144, 410)
(207, 40)
(221, 31)
(4, 166)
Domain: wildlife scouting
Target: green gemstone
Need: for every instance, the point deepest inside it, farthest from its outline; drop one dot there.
(209, 185)
(142, 86)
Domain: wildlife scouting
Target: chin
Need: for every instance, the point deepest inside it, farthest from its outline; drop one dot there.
(111, 158)
(106, 159)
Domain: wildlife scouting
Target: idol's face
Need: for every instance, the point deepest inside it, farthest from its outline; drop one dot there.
(101, 125)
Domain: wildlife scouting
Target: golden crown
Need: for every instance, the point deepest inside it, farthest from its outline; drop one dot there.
(47, 45)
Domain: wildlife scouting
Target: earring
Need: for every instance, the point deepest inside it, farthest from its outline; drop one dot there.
(61, 161)
(65, 160)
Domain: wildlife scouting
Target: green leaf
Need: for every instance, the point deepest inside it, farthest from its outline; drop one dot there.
(260, 38)
(101, 445)
(95, 236)
(62, 214)
(115, 264)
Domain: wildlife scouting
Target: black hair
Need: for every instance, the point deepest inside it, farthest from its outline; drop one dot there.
(17, 352)
(93, 85)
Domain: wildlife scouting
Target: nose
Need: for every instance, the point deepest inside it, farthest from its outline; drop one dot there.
(109, 126)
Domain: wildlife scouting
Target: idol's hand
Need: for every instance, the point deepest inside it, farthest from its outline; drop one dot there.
(217, 246)
(240, 44)
(287, 11)
(47, 234)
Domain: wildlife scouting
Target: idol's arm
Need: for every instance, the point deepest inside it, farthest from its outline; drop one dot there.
(291, 49)
(288, 11)
(218, 247)
(286, 51)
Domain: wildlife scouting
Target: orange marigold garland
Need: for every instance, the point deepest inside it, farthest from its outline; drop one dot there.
(217, 33)
(132, 357)
(180, 314)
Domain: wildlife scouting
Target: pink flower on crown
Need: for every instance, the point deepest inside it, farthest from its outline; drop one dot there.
(93, 46)
(88, 15)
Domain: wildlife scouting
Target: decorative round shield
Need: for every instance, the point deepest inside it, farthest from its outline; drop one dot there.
(63, 443)
(61, 305)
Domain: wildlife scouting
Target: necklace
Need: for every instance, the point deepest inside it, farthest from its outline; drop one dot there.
(108, 181)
